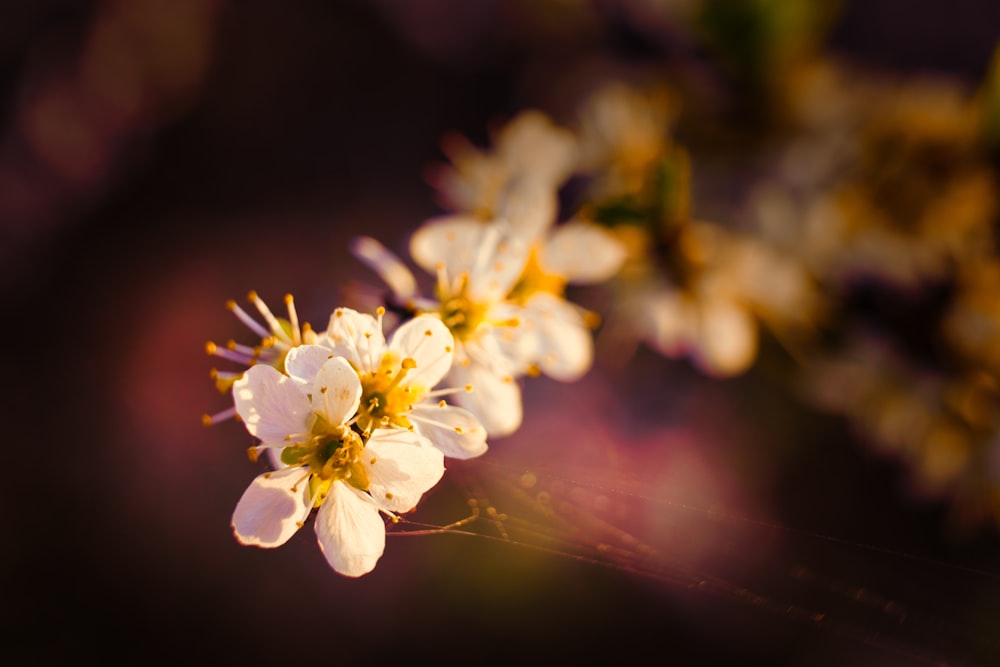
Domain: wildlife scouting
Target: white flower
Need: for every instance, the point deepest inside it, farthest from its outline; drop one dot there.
(623, 132)
(514, 190)
(477, 266)
(329, 465)
(397, 378)
(718, 287)
(714, 329)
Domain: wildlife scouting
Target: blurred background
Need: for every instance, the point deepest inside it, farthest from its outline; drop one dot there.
(159, 158)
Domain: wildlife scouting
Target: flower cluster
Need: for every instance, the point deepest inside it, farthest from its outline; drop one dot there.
(353, 425)
(862, 193)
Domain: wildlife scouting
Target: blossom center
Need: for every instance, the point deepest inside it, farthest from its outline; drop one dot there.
(536, 279)
(384, 401)
(460, 313)
(330, 453)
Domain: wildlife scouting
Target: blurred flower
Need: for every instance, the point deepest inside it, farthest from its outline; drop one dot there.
(989, 98)
(516, 181)
(623, 132)
(707, 304)
(757, 42)
(972, 321)
(688, 288)
(888, 178)
(349, 476)
(945, 425)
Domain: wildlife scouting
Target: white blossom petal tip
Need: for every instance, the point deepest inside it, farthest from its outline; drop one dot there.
(431, 346)
(350, 530)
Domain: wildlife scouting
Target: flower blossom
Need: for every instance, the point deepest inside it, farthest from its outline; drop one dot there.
(350, 477)
(623, 133)
(553, 336)
(477, 265)
(707, 296)
(501, 295)
(875, 168)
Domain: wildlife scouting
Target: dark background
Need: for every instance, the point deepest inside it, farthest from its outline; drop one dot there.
(291, 128)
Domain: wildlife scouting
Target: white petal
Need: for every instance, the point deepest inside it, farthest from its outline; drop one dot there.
(508, 348)
(465, 184)
(453, 430)
(449, 240)
(728, 342)
(350, 532)
(337, 391)
(565, 344)
(530, 207)
(357, 337)
(401, 466)
(582, 252)
(495, 399)
(270, 404)
(499, 266)
(272, 508)
(669, 319)
(389, 267)
(274, 456)
(532, 143)
(304, 361)
(427, 341)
